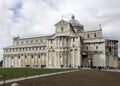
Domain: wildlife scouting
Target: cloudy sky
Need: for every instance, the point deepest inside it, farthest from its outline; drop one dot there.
(37, 17)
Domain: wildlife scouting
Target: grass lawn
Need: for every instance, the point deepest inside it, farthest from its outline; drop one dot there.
(11, 73)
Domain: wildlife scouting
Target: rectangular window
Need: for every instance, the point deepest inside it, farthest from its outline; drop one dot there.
(22, 42)
(31, 41)
(27, 42)
(41, 40)
(17, 43)
(94, 34)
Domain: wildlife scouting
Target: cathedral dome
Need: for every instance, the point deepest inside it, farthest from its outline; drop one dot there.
(75, 22)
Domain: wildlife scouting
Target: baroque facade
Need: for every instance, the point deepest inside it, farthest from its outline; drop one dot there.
(70, 47)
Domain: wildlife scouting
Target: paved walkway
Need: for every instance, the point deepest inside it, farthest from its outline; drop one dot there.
(31, 77)
(113, 70)
(110, 70)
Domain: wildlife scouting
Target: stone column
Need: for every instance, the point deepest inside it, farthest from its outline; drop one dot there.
(79, 58)
(29, 60)
(67, 58)
(47, 55)
(37, 58)
(73, 57)
(24, 59)
(21, 61)
(64, 58)
(55, 59)
(34, 59)
(58, 42)
(5, 61)
(58, 57)
(44, 60)
(8, 61)
(16, 61)
(13, 61)
(41, 59)
(49, 58)
(66, 61)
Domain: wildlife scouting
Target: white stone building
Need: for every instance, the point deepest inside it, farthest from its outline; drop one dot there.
(70, 46)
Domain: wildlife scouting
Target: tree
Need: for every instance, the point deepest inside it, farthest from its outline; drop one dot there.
(1, 63)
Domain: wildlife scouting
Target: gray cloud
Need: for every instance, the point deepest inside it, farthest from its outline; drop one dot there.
(33, 17)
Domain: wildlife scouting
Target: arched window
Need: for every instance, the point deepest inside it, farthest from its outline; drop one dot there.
(18, 57)
(61, 29)
(73, 39)
(110, 50)
(86, 47)
(25, 56)
(51, 40)
(39, 56)
(32, 56)
(96, 47)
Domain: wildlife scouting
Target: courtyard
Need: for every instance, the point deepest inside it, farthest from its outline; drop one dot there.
(78, 78)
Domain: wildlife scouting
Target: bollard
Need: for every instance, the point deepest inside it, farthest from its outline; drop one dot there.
(14, 84)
